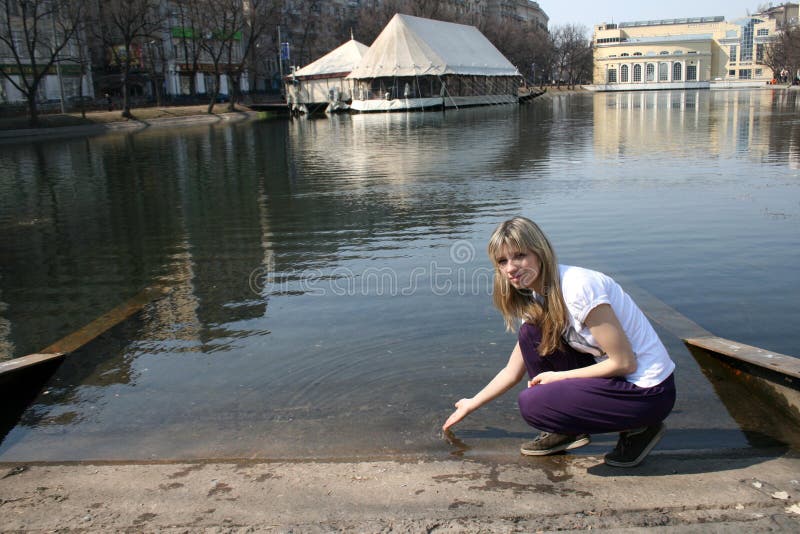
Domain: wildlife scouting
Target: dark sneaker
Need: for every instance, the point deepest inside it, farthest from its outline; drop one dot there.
(550, 442)
(634, 445)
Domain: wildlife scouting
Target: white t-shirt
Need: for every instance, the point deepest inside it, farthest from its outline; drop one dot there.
(583, 291)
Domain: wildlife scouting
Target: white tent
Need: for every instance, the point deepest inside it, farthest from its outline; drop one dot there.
(321, 84)
(338, 62)
(413, 46)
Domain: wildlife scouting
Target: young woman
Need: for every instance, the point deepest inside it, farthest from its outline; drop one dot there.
(594, 361)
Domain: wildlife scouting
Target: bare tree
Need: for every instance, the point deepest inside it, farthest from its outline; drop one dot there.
(82, 57)
(33, 34)
(308, 31)
(218, 24)
(573, 53)
(186, 12)
(123, 25)
(527, 46)
(259, 17)
(784, 52)
(154, 62)
(370, 22)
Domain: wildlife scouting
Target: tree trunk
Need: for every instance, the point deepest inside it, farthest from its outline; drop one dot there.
(193, 81)
(33, 112)
(235, 80)
(126, 107)
(80, 96)
(214, 93)
(157, 89)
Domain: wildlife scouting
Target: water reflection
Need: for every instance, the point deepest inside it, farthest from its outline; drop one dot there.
(757, 124)
(230, 365)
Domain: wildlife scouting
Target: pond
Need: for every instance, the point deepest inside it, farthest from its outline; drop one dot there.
(330, 292)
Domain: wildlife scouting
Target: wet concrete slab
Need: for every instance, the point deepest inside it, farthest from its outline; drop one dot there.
(685, 493)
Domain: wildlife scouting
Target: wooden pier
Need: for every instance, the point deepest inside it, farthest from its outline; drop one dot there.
(770, 375)
(21, 379)
(272, 110)
(82, 336)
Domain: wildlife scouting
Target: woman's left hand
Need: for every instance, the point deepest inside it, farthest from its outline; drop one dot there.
(545, 378)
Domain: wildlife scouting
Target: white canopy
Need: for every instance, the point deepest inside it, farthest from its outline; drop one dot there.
(339, 61)
(413, 46)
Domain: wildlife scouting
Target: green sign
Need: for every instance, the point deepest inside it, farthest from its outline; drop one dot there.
(219, 35)
(183, 33)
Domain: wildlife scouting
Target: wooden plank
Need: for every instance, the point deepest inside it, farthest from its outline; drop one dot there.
(773, 361)
(84, 335)
(26, 361)
(105, 322)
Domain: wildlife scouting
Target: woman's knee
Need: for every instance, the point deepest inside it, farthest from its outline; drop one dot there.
(534, 404)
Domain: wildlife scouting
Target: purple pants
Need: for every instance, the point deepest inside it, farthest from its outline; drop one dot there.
(586, 405)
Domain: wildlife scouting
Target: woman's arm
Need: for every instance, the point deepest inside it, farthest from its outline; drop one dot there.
(607, 331)
(506, 379)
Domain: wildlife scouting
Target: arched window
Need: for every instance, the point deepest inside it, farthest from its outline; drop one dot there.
(623, 74)
(637, 73)
(637, 53)
(677, 72)
(650, 73)
(663, 72)
(624, 54)
(663, 53)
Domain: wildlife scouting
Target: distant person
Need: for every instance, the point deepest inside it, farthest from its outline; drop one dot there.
(595, 363)
(109, 102)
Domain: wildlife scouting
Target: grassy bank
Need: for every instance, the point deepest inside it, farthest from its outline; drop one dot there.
(56, 120)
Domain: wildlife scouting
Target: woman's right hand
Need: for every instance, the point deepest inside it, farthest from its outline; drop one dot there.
(507, 378)
(464, 407)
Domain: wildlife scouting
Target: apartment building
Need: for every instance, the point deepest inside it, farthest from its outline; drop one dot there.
(516, 11)
(68, 76)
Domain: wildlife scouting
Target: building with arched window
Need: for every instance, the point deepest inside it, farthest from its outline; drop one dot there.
(686, 53)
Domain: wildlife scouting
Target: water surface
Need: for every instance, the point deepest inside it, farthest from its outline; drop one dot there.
(330, 283)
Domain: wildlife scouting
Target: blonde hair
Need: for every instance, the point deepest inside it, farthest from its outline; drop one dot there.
(549, 313)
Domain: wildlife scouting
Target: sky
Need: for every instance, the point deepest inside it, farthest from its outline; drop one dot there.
(591, 12)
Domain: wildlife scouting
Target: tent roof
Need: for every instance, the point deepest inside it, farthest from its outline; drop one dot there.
(413, 46)
(341, 60)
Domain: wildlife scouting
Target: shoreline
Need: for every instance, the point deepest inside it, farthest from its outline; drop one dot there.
(196, 117)
(691, 492)
(132, 125)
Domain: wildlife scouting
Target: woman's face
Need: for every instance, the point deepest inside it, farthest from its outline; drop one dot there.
(521, 267)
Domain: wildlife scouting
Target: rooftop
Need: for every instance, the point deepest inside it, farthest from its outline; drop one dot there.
(670, 38)
(666, 22)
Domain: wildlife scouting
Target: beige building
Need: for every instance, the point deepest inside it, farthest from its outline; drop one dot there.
(686, 53)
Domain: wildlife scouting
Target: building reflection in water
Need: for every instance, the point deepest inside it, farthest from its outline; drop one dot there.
(751, 122)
